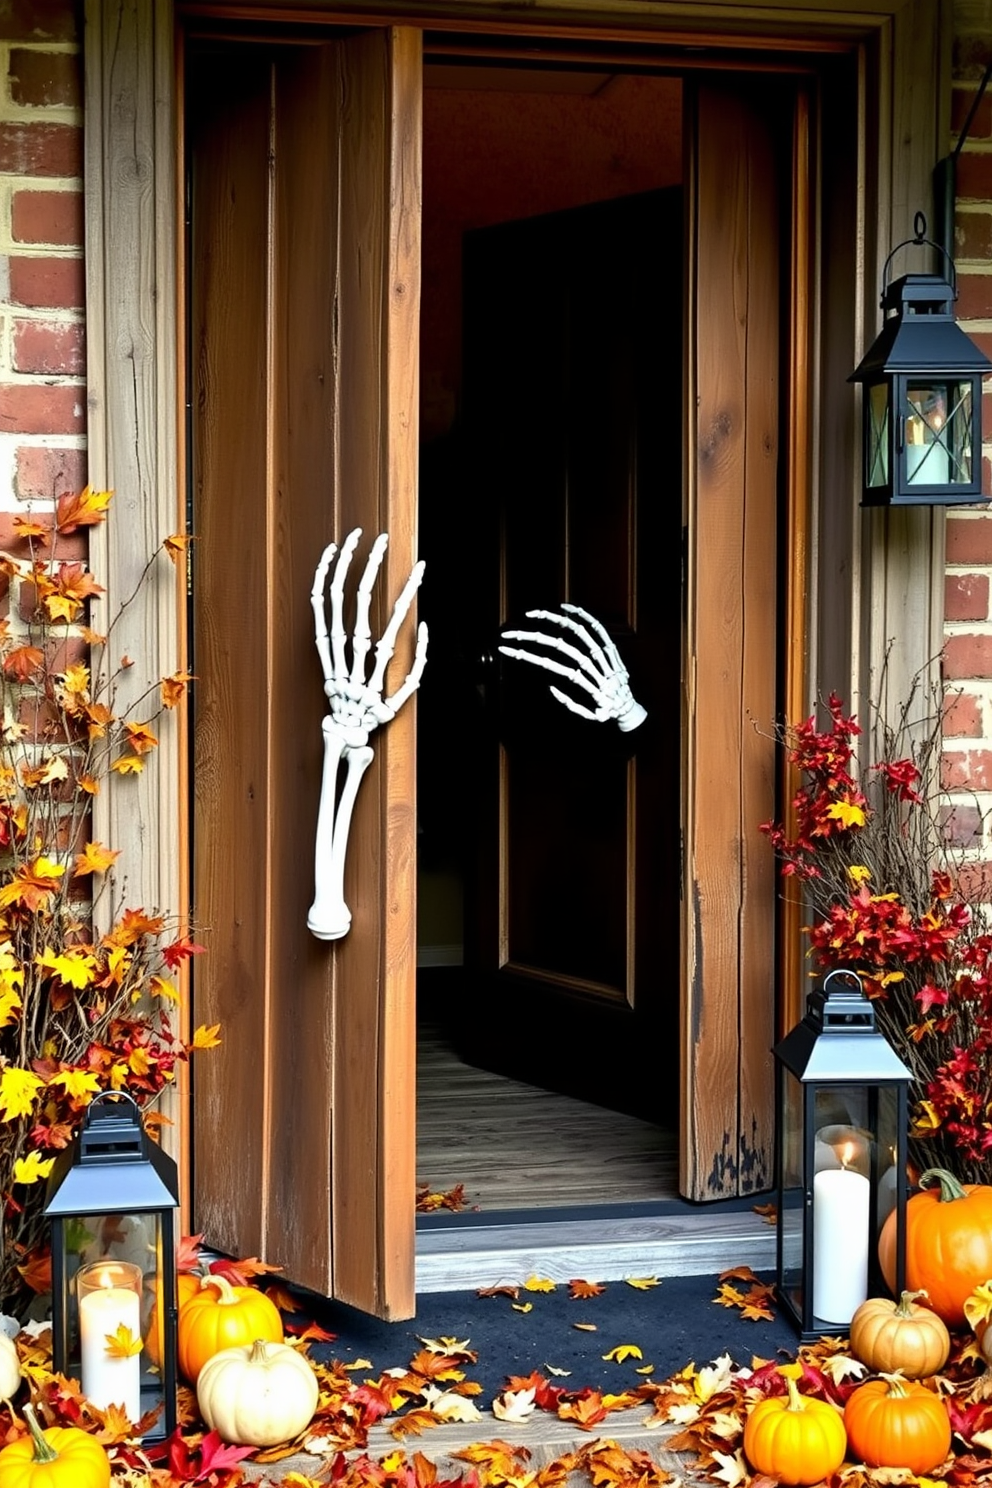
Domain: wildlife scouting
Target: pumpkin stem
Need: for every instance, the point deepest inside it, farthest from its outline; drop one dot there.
(259, 1352)
(950, 1188)
(905, 1305)
(796, 1401)
(896, 1383)
(43, 1450)
(225, 1292)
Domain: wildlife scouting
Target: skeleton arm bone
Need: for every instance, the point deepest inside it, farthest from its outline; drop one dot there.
(601, 674)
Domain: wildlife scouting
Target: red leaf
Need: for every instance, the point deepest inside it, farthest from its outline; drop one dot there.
(312, 1331)
(188, 1256)
(175, 954)
(215, 1453)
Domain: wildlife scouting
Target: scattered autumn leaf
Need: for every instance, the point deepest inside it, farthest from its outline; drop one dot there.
(522, 1306)
(585, 1327)
(642, 1283)
(513, 1292)
(538, 1284)
(514, 1406)
(623, 1351)
(583, 1289)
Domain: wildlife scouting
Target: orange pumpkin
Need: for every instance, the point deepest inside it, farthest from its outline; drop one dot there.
(948, 1243)
(798, 1439)
(894, 1422)
(889, 1336)
(221, 1316)
(187, 1285)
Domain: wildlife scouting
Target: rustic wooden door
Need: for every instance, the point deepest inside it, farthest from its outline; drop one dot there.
(573, 368)
(304, 202)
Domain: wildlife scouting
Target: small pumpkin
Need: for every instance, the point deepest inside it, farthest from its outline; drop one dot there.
(948, 1242)
(60, 1457)
(10, 1368)
(220, 1316)
(890, 1336)
(257, 1396)
(797, 1439)
(895, 1422)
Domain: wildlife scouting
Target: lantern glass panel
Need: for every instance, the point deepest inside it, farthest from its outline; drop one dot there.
(877, 442)
(937, 425)
(792, 1197)
(113, 1271)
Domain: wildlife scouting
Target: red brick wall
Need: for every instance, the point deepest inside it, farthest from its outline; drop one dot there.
(42, 350)
(968, 648)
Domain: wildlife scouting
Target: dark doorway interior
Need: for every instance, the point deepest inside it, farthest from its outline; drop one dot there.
(551, 470)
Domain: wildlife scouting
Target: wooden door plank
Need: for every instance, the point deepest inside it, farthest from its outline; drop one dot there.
(373, 1161)
(729, 996)
(230, 214)
(713, 868)
(303, 151)
(760, 652)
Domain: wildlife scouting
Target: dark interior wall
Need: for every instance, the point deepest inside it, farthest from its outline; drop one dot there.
(504, 144)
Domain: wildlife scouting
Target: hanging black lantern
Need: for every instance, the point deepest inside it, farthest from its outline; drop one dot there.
(111, 1200)
(841, 1109)
(922, 394)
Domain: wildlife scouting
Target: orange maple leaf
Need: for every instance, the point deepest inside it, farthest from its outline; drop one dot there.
(176, 544)
(586, 1410)
(140, 737)
(174, 687)
(283, 1299)
(116, 1427)
(37, 1272)
(583, 1289)
(32, 885)
(29, 527)
(87, 508)
(738, 1273)
(95, 858)
(436, 1366)
(131, 926)
(23, 662)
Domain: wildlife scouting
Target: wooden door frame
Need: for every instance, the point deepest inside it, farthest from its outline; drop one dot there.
(865, 576)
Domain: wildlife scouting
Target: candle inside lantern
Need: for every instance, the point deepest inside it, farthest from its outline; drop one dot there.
(110, 1298)
(887, 1186)
(840, 1242)
(841, 1146)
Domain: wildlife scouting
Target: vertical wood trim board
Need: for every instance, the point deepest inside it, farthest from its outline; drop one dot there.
(727, 1117)
(306, 297)
(132, 377)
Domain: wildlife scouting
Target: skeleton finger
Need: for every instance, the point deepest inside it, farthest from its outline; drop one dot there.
(338, 636)
(571, 673)
(595, 650)
(575, 707)
(412, 679)
(558, 645)
(319, 611)
(597, 625)
(387, 644)
(363, 635)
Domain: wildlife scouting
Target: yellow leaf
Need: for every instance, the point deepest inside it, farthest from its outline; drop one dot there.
(128, 764)
(358, 1364)
(17, 1092)
(978, 1307)
(29, 1169)
(122, 1344)
(78, 1084)
(645, 1369)
(585, 1327)
(538, 1284)
(10, 1006)
(848, 813)
(522, 1306)
(89, 784)
(642, 1283)
(139, 1061)
(75, 966)
(176, 544)
(206, 1038)
(623, 1351)
(159, 987)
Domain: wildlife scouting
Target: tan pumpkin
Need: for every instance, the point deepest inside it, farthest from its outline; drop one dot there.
(259, 1395)
(890, 1336)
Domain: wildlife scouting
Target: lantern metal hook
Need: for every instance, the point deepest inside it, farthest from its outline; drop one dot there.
(920, 240)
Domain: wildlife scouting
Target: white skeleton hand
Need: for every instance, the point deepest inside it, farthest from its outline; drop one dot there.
(601, 673)
(357, 707)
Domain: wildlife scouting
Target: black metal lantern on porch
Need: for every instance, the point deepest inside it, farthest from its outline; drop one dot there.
(111, 1200)
(922, 394)
(841, 1107)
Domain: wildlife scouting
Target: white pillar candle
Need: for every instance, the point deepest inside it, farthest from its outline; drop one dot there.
(109, 1297)
(840, 1146)
(840, 1244)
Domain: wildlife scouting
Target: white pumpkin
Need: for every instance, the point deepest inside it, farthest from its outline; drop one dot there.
(10, 1368)
(258, 1395)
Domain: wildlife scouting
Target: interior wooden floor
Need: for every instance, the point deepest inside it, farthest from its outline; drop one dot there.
(515, 1146)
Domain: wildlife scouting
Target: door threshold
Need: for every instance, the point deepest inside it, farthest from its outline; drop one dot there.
(686, 1243)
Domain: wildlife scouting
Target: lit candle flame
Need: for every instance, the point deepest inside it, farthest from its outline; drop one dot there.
(846, 1154)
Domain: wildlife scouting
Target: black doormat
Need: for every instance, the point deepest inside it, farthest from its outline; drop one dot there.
(672, 1324)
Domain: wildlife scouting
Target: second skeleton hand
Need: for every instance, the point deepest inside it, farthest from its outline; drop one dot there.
(596, 668)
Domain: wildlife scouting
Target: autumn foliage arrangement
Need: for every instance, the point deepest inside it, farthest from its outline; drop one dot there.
(874, 857)
(82, 1010)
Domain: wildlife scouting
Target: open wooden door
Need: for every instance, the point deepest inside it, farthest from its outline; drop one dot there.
(734, 646)
(304, 295)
